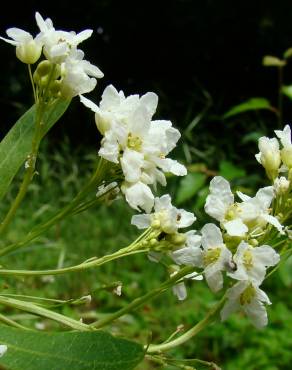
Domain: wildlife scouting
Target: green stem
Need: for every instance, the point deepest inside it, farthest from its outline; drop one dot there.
(12, 323)
(136, 303)
(32, 83)
(190, 333)
(134, 248)
(40, 311)
(29, 170)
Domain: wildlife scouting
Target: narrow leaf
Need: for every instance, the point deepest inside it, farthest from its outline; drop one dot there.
(16, 145)
(249, 105)
(189, 186)
(93, 350)
(230, 171)
(287, 90)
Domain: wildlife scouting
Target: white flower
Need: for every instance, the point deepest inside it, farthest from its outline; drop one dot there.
(248, 297)
(3, 349)
(251, 263)
(286, 152)
(220, 205)
(215, 257)
(58, 44)
(28, 49)
(281, 185)
(284, 136)
(166, 217)
(133, 140)
(76, 72)
(254, 212)
(269, 155)
(190, 253)
(240, 217)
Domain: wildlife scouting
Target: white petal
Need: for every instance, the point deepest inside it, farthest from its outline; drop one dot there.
(163, 203)
(83, 35)
(275, 222)
(19, 35)
(229, 308)
(211, 236)
(214, 280)
(141, 221)
(110, 98)
(215, 208)
(132, 163)
(266, 255)
(89, 104)
(150, 100)
(41, 22)
(265, 196)
(186, 218)
(257, 313)
(284, 136)
(221, 188)
(172, 166)
(3, 349)
(193, 239)
(243, 196)
(188, 256)
(138, 196)
(180, 291)
(139, 122)
(236, 228)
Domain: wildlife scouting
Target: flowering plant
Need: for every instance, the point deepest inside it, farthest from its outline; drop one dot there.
(247, 240)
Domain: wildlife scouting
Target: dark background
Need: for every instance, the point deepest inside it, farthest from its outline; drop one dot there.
(192, 53)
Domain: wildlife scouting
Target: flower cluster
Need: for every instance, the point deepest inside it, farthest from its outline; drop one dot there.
(65, 70)
(238, 248)
(211, 255)
(137, 143)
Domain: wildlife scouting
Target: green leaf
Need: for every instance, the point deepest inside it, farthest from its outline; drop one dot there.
(249, 105)
(229, 171)
(189, 186)
(16, 145)
(287, 90)
(90, 350)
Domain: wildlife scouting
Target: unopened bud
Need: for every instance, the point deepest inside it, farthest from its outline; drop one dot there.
(103, 123)
(177, 239)
(286, 155)
(153, 242)
(155, 224)
(281, 185)
(55, 88)
(29, 52)
(253, 242)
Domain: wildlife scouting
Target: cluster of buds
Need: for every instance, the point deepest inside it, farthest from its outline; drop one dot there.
(64, 72)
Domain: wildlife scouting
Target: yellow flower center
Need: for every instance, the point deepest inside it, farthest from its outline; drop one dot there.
(247, 259)
(233, 212)
(211, 256)
(247, 295)
(134, 142)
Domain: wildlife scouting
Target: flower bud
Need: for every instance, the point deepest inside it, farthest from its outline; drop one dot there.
(281, 185)
(269, 156)
(103, 123)
(176, 239)
(29, 52)
(286, 155)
